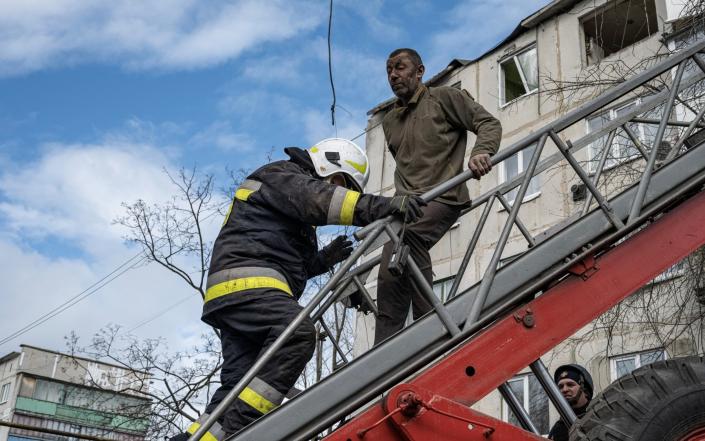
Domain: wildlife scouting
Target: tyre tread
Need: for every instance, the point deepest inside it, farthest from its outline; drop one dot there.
(635, 399)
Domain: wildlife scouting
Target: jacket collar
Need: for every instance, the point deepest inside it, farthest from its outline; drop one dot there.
(420, 91)
(300, 157)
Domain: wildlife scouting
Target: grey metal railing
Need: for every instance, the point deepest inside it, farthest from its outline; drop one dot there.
(348, 276)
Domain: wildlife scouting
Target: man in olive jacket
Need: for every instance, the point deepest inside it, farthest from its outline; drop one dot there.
(426, 133)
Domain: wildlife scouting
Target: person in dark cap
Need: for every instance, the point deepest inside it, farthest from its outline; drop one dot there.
(575, 383)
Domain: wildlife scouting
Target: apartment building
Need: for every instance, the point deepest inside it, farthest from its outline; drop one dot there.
(543, 69)
(47, 395)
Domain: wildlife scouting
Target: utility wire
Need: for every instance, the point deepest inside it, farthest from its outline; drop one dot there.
(95, 287)
(330, 64)
(161, 313)
(126, 266)
(365, 131)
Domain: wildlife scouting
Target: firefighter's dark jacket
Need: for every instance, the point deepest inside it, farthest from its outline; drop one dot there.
(267, 244)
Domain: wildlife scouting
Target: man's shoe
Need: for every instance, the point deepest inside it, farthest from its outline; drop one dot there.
(180, 437)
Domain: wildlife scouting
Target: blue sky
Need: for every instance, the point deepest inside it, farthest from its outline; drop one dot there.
(97, 98)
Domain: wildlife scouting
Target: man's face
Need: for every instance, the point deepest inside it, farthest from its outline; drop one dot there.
(572, 392)
(404, 77)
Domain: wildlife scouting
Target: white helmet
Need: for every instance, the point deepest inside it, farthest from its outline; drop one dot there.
(338, 155)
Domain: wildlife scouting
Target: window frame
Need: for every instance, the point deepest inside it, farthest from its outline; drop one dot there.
(445, 284)
(5, 392)
(520, 169)
(593, 14)
(506, 411)
(500, 73)
(636, 356)
(594, 155)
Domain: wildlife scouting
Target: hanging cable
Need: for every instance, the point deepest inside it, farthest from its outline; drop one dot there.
(330, 64)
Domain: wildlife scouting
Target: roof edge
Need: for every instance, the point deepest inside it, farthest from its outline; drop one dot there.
(78, 357)
(550, 10)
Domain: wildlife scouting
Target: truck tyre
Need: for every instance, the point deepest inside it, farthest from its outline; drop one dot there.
(663, 401)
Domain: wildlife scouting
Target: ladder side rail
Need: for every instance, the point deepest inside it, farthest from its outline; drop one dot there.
(635, 140)
(554, 394)
(488, 278)
(688, 131)
(427, 291)
(601, 200)
(471, 247)
(369, 375)
(606, 148)
(647, 104)
(648, 170)
(517, 408)
(517, 221)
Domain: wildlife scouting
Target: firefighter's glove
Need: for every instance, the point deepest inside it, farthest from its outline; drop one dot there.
(407, 207)
(336, 251)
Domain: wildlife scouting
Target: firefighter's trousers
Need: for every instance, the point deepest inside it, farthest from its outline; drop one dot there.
(247, 330)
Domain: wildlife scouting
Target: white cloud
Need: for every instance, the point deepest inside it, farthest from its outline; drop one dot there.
(357, 74)
(74, 191)
(317, 125)
(179, 34)
(473, 24)
(279, 68)
(220, 134)
(249, 106)
(70, 195)
(371, 12)
(34, 284)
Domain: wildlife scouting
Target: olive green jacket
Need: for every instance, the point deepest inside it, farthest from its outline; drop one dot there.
(427, 139)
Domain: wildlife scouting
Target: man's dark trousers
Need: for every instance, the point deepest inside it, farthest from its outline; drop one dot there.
(247, 330)
(395, 294)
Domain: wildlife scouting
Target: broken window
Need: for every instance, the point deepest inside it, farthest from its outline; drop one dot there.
(617, 25)
(519, 75)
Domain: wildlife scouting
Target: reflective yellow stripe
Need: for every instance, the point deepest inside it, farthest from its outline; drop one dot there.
(206, 437)
(243, 193)
(362, 168)
(256, 401)
(348, 209)
(243, 284)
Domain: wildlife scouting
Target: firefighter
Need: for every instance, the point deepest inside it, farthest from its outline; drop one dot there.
(575, 383)
(264, 254)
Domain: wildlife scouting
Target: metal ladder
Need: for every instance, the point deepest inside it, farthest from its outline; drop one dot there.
(550, 258)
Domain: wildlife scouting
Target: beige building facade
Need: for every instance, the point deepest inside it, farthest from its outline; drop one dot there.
(52, 391)
(518, 82)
